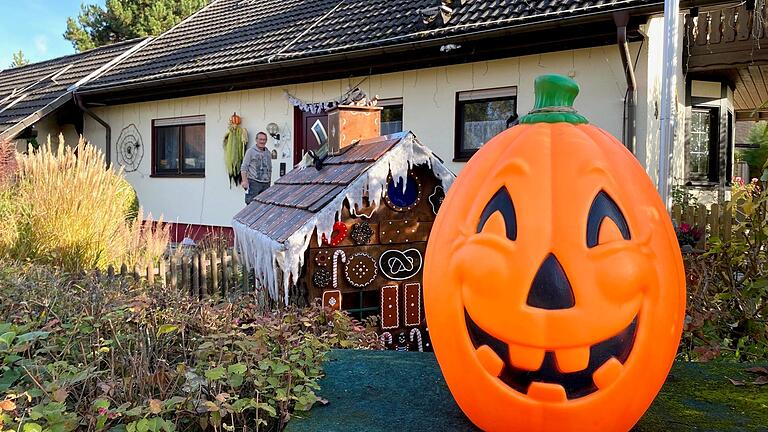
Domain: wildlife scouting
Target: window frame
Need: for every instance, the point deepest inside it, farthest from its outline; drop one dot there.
(713, 169)
(461, 154)
(180, 123)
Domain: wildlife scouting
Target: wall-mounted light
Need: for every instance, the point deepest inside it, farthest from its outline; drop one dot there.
(274, 131)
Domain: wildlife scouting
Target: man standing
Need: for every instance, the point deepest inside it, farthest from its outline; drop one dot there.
(256, 170)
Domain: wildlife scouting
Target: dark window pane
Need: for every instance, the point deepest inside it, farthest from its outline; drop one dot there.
(392, 119)
(167, 152)
(194, 147)
(482, 120)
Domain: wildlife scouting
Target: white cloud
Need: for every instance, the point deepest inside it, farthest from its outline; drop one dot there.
(41, 44)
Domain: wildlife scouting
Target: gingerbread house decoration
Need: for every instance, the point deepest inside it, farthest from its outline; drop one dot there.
(351, 230)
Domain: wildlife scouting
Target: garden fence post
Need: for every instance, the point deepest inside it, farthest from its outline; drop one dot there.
(203, 273)
(151, 274)
(727, 221)
(688, 216)
(701, 222)
(185, 283)
(123, 270)
(111, 271)
(174, 273)
(714, 221)
(162, 274)
(224, 274)
(214, 273)
(677, 213)
(196, 276)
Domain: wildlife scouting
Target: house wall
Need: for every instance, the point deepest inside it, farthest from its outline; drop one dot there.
(49, 127)
(428, 95)
(649, 75)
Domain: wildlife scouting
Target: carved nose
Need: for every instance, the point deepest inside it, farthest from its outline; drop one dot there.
(551, 289)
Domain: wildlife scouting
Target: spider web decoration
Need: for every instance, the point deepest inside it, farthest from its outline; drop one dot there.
(130, 148)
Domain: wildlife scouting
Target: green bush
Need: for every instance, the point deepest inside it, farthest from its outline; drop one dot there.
(101, 353)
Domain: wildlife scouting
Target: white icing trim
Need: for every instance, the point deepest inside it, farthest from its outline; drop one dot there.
(277, 264)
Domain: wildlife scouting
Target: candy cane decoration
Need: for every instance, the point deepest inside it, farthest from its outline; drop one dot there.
(417, 332)
(336, 267)
(386, 338)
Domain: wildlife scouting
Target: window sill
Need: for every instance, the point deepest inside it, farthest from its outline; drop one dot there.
(702, 184)
(462, 158)
(177, 176)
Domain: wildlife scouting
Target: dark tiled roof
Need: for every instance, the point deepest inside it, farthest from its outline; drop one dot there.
(292, 201)
(232, 34)
(45, 82)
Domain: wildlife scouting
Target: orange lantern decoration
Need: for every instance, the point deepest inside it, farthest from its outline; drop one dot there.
(235, 119)
(554, 285)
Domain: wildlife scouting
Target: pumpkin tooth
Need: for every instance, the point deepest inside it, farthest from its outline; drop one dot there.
(547, 392)
(607, 373)
(526, 358)
(572, 359)
(490, 360)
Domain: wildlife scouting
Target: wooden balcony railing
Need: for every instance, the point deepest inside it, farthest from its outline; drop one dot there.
(727, 37)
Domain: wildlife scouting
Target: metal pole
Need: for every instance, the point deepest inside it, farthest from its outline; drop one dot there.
(668, 86)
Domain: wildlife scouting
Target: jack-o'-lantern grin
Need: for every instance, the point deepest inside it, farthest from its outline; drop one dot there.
(601, 363)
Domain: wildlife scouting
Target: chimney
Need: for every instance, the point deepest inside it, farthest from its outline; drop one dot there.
(350, 123)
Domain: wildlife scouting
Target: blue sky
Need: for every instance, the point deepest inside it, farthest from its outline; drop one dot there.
(36, 27)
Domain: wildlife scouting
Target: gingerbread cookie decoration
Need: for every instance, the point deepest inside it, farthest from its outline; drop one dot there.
(361, 270)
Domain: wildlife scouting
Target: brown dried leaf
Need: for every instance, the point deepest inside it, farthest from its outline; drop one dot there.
(758, 370)
(60, 395)
(736, 382)
(155, 406)
(761, 380)
(7, 405)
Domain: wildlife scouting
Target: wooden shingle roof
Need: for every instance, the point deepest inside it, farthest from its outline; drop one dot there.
(296, 197)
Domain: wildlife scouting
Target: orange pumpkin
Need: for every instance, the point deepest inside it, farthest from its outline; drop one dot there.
(554, 285)
(235, 119)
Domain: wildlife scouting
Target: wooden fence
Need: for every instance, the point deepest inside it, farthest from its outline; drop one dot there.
(202, 274)
(715, 221)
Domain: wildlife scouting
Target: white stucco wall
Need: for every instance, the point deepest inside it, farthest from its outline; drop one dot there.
(428, 110)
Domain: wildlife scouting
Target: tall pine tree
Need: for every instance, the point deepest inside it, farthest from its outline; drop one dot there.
(126, 19)
(19, 59)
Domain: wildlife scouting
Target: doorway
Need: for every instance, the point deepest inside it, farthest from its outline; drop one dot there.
(310, 127)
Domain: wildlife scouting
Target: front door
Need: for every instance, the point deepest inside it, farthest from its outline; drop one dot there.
(311, 129)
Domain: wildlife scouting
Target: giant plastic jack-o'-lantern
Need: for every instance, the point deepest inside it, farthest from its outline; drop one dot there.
(554, 286)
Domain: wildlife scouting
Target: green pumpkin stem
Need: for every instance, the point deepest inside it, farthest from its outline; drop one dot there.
(554, 101)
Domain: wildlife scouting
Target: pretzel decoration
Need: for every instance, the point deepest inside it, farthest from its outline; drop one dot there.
(416, 333)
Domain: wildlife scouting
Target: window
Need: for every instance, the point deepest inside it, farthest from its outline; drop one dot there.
(481, 115)
(178, 147)
(704, 145)
(391, 116)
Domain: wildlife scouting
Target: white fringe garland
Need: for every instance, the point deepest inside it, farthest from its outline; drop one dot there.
(271, 259)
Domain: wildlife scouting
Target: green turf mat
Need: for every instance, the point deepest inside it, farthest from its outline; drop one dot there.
(389, 391)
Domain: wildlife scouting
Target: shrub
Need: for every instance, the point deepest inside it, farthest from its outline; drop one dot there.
(68, 210)
(101, 353)
(728, 287)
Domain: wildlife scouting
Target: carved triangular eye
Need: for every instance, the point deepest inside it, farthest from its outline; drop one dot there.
(501, 203)
(604, 207)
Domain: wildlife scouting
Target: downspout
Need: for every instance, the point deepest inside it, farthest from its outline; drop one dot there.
(629, 135)
(107, 128)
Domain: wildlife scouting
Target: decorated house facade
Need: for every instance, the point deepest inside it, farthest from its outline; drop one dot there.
(455, 72)
(351, 228)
